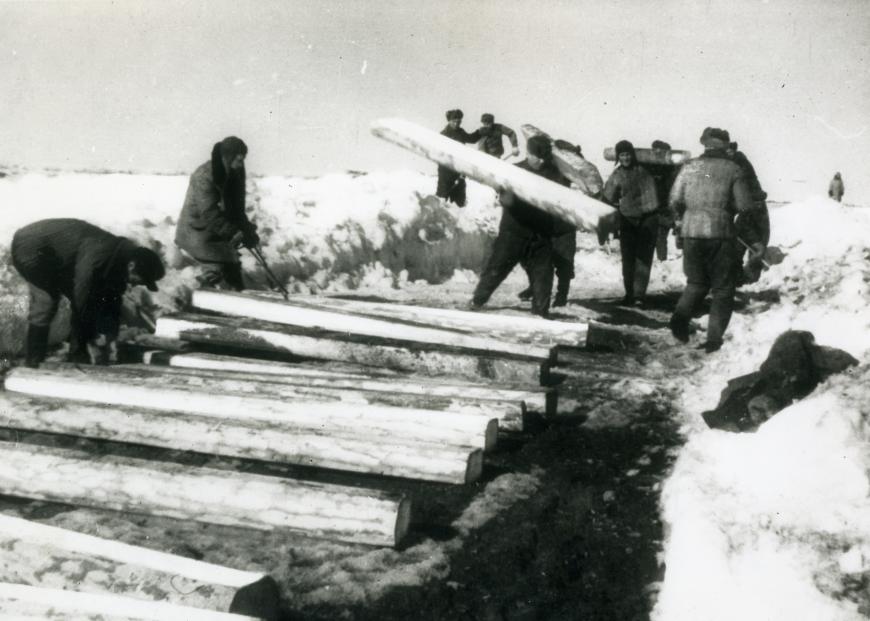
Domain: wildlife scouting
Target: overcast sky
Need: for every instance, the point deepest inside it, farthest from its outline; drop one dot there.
(150, 86)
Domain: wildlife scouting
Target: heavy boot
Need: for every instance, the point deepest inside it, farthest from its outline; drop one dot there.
(561, 298)
(525, 294)
(36, 345)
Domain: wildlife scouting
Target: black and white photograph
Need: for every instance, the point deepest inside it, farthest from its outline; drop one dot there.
(470, 310)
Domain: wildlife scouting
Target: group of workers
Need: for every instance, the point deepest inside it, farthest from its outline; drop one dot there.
(714, 204)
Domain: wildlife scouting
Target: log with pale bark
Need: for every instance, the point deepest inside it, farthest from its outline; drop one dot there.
(255, 335)
(252, 306)
(516, 328)
(508, 413)
(561, 202)
(20, 601)
(48, 556)
(537, 399)
(259, 440)
(338, 419)
(203, 494)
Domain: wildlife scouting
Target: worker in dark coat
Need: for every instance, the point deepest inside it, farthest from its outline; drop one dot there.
(451, 185)
(525, 235)
(632, 190)
(836, 189)
(492, 137)
(753, 226)
(92, 268)
(708, 193)
(213, 222)
(664, 176)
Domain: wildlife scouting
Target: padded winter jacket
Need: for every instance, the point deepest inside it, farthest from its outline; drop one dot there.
(708, 193)
(492, 142)
(633, 191)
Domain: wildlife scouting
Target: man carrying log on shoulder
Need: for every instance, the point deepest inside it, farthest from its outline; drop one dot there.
(753, 227)
(213, 223)
(525, 235)
(93, 269)
(708, 193)
(491, 137)
(451, 185)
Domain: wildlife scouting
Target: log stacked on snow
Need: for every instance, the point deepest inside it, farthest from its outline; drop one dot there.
(563, 203)
(508, 413)
(340, 420)
(294, 342)
(536, 398)
(47, 556)
(203, 494)
(21, 602)
(249, 440)
(514, 328)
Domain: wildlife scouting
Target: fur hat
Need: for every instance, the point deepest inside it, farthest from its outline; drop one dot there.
(539, 146)
(486, 117)
(715, 138)
(454, 114)
(148, 266)
(661, 144)
(624, 146)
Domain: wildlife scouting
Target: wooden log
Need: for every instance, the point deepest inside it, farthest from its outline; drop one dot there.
(509, 414)
(577, 169)
(20, 601)
(334, 418)
(295, 342)
(203, 494)
(536, 399)
(561, 202)
(661, 157)
(47, 556)
(285, 313)
(260, 440)
(507, 327)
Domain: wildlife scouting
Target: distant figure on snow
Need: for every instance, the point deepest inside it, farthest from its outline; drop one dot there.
(213, 223)
(491, 137)
(89, 266)
(632, 190)
(451, 185)
(708, 193)
(525, 235)
(836, 189)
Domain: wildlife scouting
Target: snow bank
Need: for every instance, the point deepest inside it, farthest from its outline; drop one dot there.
(776, 525)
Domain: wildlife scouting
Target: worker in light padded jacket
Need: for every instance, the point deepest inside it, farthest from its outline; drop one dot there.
(707, 195)
(213, 222)
(92, 268)
(632, 190)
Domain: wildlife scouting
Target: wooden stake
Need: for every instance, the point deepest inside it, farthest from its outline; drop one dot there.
(203, 494)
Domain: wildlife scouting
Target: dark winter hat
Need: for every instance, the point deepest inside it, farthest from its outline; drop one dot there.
(624, 146)
(454, 114)
(232, 146)
(661, 144)
(486, 117)
(715, 138)
(539, 146)
(148, 266)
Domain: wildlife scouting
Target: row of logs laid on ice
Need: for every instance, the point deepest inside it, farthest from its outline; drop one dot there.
(541, 400)
(202, 494)
(107, 407)
(512, 328)
(41, 555)
(253, 335)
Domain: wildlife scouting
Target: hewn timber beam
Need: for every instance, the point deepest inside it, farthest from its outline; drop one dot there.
(508, 413)
(254, 335)
(42, 555)
(339, 419)
(536, 398)
(260, 440)
(252, 306)
(561, 202)
(20, 601)
(203, 494)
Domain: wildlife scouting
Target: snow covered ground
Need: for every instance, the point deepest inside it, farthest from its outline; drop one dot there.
(770, 525)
